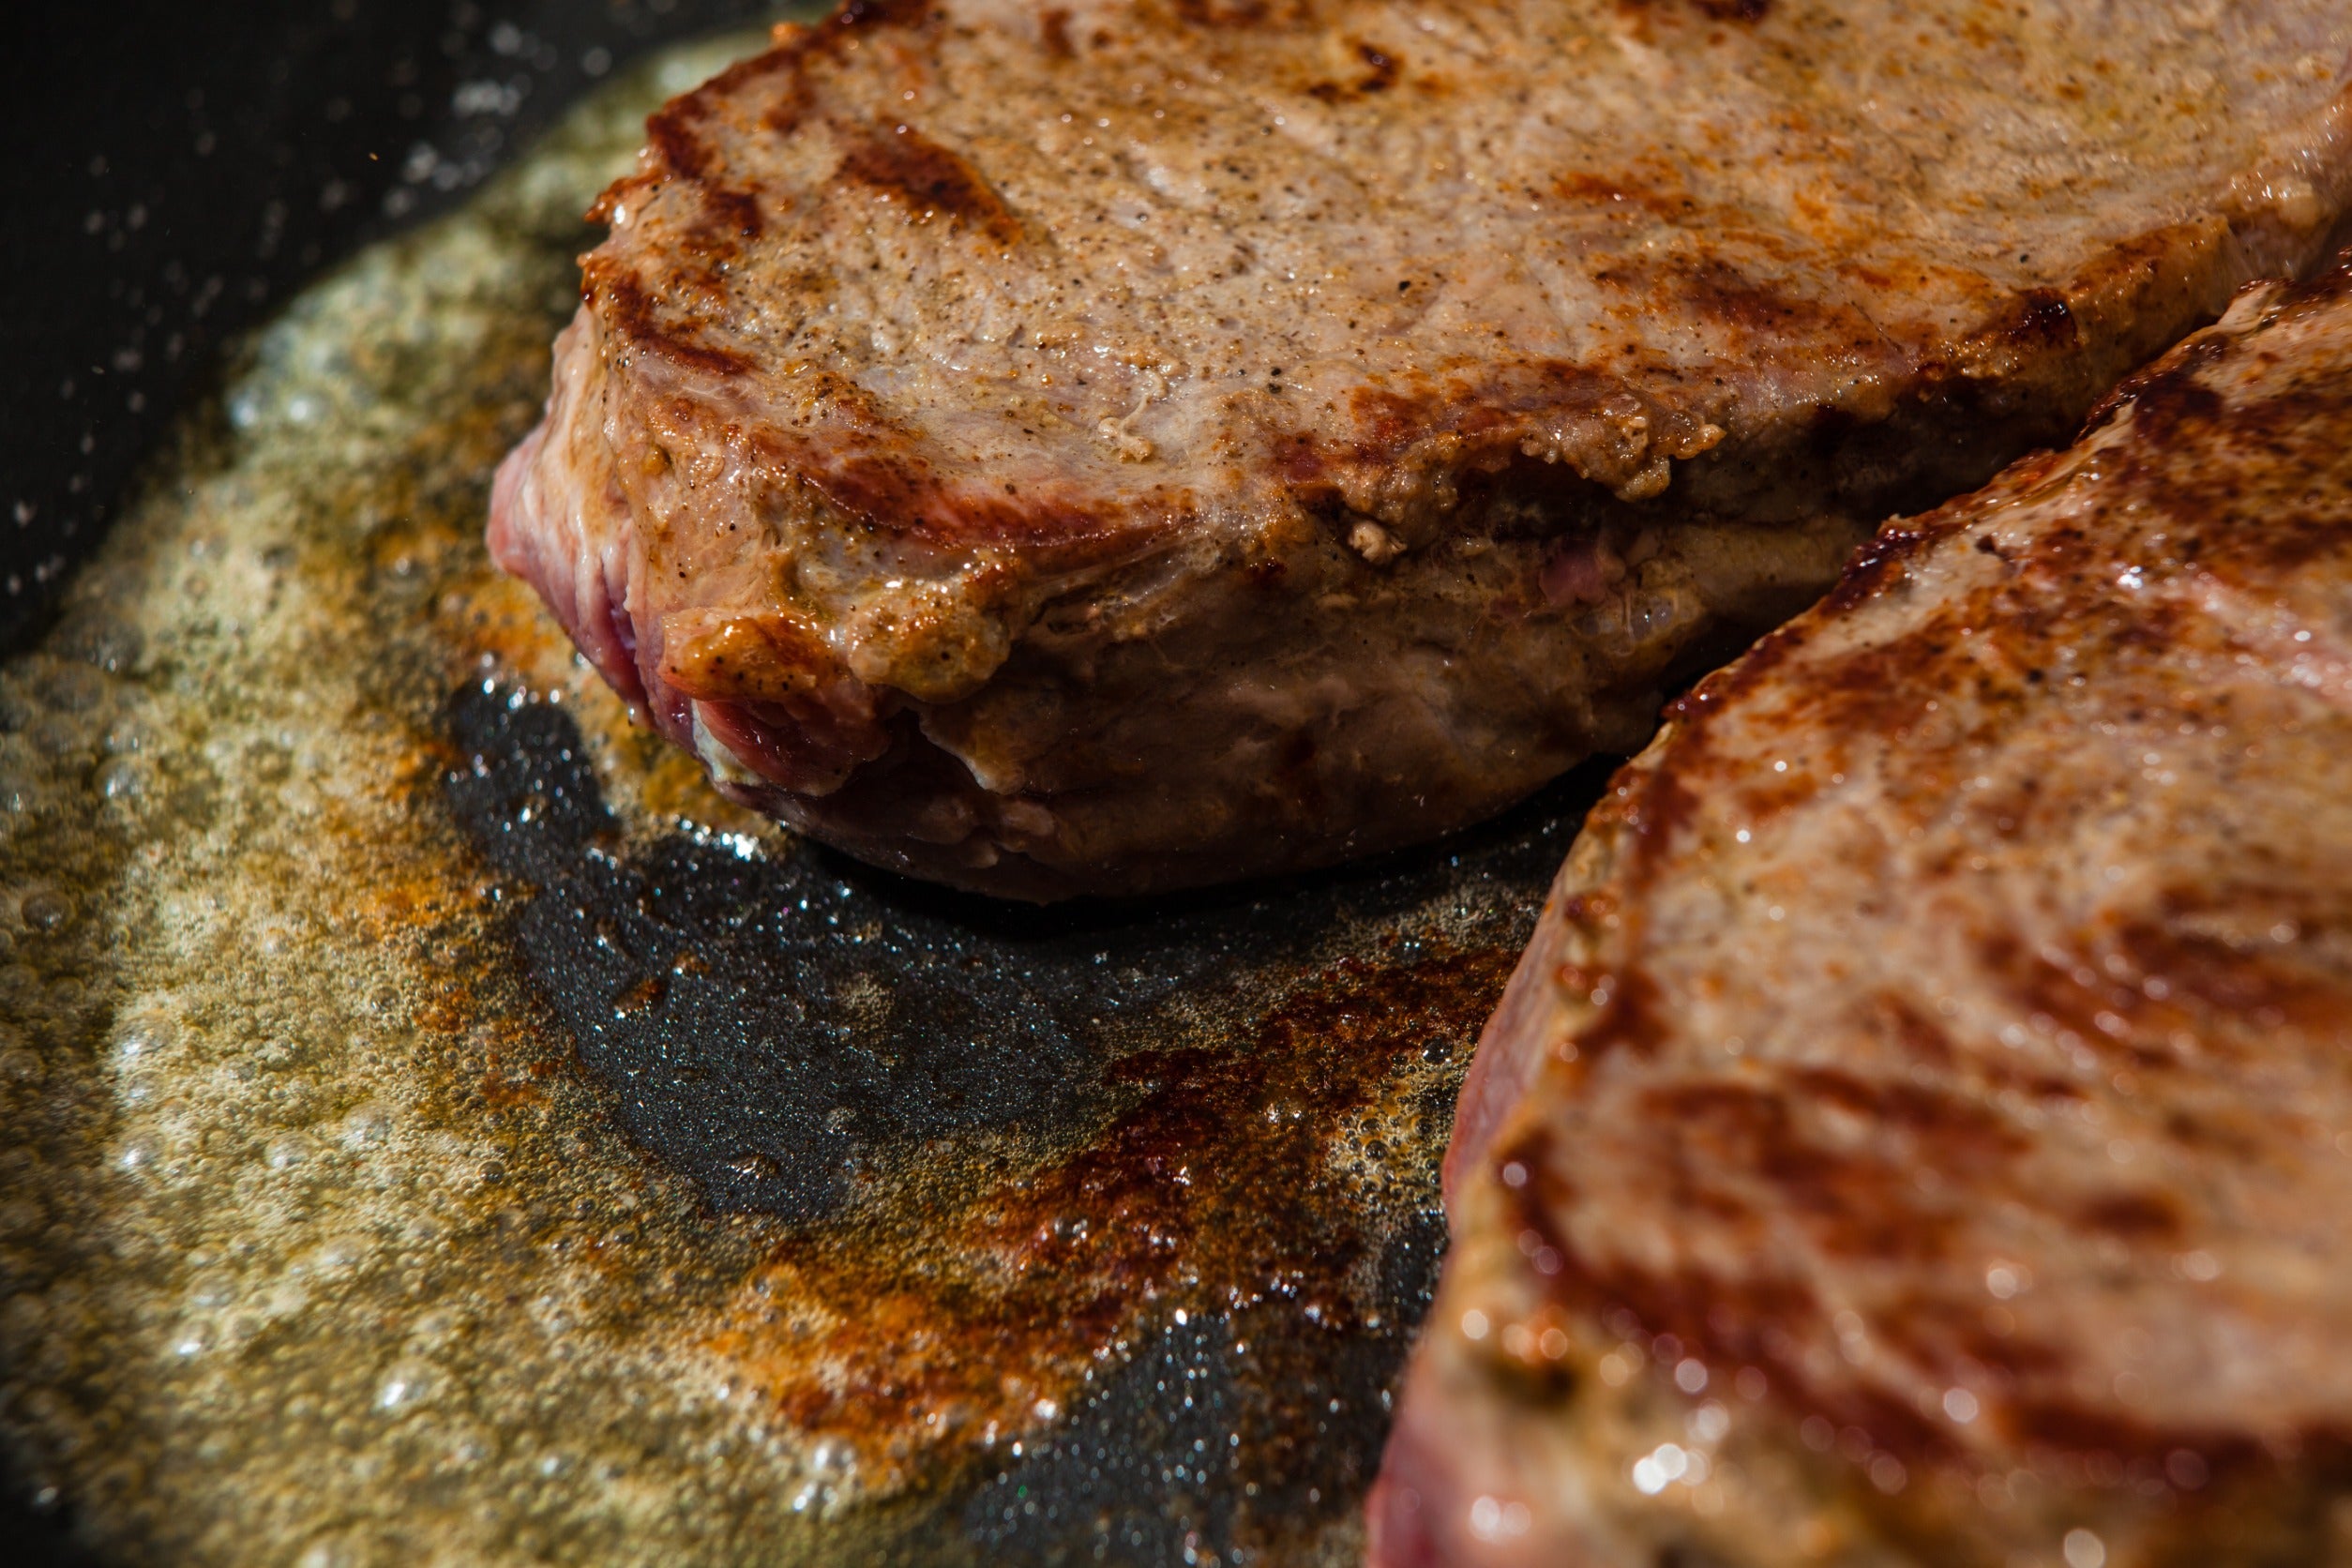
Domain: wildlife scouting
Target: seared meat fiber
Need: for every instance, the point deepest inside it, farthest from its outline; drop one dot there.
(1108, 447)
(1920, 1131)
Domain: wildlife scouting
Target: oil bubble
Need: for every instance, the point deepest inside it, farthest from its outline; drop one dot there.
(123, 780)
(287, 1151)
(139, 1048)
(339, 1255)
(365, 1126)
(108, 644)
(22, 1318)
(73, 689)
(46, 909)
(333, 1552)
(277, 1054)
(60, 739)
(405, 1386)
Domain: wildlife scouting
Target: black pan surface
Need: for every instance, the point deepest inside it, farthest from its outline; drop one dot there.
(173, 172)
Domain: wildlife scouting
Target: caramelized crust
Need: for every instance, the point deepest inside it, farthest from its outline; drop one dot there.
(1919, 1129)
(1140, 444)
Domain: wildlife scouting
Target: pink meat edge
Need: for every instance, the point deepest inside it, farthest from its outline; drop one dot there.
(1512, 1050)
(1397, 1532)
(528, 543)
(1457, 1452)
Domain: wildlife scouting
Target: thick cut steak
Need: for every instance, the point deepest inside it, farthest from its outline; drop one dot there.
(1111, 446)
(1920, 1131)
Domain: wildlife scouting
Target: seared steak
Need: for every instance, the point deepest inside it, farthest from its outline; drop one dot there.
(1111, 446)
(1921, 1127)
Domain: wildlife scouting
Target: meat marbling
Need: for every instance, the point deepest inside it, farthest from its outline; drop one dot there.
(1111, 446)
(1918, 1132)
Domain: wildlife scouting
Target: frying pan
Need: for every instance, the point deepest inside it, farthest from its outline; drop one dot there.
(175, 171)
(179, 175)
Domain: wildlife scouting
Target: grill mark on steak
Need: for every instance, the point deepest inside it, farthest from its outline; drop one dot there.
(1721, 10)
(878, 478)
(677, 148)
(1658, 195)
(1720, 1320)
(675, 133)
(1222, 15)
(1381, 67)
(624, 301)
(1730, 1324)
(911, 167)
(1711, 289)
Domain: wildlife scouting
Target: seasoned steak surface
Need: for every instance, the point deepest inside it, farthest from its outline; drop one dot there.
(1109, 446)
(1918, 1131)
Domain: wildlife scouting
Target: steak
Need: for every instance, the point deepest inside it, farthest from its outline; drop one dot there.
(1108, 447)
(1919, 1130)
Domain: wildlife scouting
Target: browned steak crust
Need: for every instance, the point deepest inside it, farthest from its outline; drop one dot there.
(1121, 445)
(1918, 1131)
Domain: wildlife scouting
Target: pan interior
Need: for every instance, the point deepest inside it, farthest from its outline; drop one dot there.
(436, 1126)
